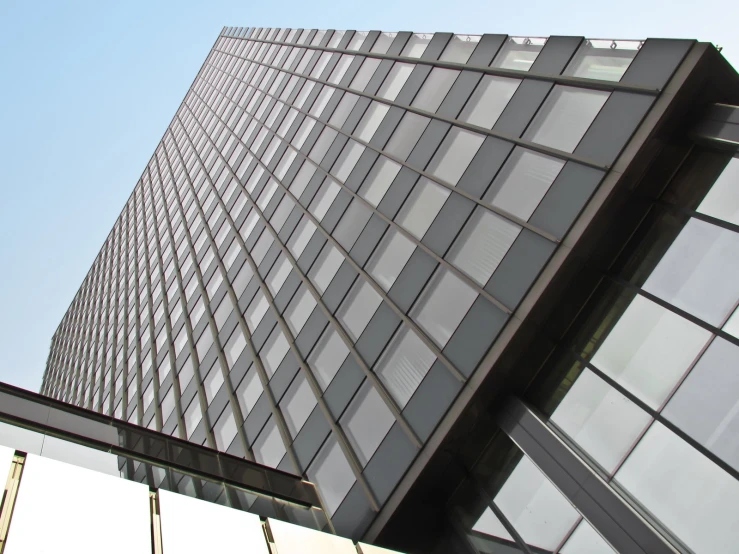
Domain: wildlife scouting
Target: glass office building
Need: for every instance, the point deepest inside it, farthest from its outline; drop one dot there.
(481, 290)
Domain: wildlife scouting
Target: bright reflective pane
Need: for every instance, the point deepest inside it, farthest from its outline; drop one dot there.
(683, 489)
(228, 530)
(378, 180)
(395, 80)
(325, 267)
(269, 448)
(332, 474)
(489, 100)
(390, 258)
(327, 356)
(358, 308)
(299, 310)
(585, 540)
(421, 207)
(722, 201)
(294, 539)
(371, 121)
(366, 421)
(518, 53)
(406, 135)
(404, 364)
(434, 89)
(55, 501)
(603, 59)
(454, 155)
(416, 45)
(297, 404)
(460, 48)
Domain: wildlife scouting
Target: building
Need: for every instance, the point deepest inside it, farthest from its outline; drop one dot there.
(480, 290)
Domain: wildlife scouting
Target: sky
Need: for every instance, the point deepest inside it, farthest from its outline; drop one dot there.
(87, 89)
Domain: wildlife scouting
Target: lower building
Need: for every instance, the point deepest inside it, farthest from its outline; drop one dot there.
(480, 290)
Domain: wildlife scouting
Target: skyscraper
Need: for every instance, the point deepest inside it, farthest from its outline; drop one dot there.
(481, 290)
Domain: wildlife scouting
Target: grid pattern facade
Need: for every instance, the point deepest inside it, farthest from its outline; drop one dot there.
(330, 236)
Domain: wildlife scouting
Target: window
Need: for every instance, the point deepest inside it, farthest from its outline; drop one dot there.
(325, 267)
(454, 155)
(332, 474)
(269, 448)
(460, 48)
(390, 258)
(323, 99)
(366, 421)
(489, 100)
(256, 310)
(225, 429)
(297, 404)
(404, 364)
(327, 357)
(343, 109)
(193, 415)
(421, 207)
(364, 74)
(435, 89)
(303, 131)
(523, 182)
(351, 224)
(299, 310)
(213, 381)
(722, 201)
(378, 180)
(565, 116)
(371, 121)
(274, 350)
(383, 42)
(482, 244)
(324, 142)
(395, 80)
(323, 199)
(248, 392)
(406, 135)
(234, 347)
(347, 160)
(261, 248)
(358, 308)
(302, 178)
(277, 275)
(300, 237)
(340, 69)
(442, 305)
(416, 46)
(606, 60)
(222, 312)
(519, 53)
(356, 42)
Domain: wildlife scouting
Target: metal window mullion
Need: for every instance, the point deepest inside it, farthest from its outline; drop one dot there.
(554, 152)
(380, 386)
(343, 441)
(377, 288)
(114, 346)
(355, 194)
(236, 410)
(106, 337)
(595, 84)
(244, 328)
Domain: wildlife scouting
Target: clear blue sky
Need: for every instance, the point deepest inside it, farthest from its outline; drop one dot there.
(87, 89)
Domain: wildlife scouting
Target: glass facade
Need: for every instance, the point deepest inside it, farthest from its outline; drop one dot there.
(336, 229)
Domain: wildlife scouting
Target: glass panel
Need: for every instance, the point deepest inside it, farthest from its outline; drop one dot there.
(383, 42)
(297, 404)
(358, 308)
(365, 73)
(256, 310)
(366, 421)
(332, 474)
(585, 540)
(435, 89)
(454, 155)
(248, 392)
(323, 143)
(421, 207)
(460, 48)
(80, 456)
(193, 416)
(356, 42)
(689, 494)
(327, 357)
(225, 429)
(213, 381)
(301, 236)
(442, 305)
(324, 198)
(274, 350)
(482, 244)
(607, 60)
(340, 69)
(406, 135)
(416, 45)
(519, 53)
(379, 180)
(269, 448)
(722, 201)
(698, 272)
(395, 80)
(565, 116)
(347, 160)
(56, 499)
(489, 524)
(600, 419)
(706, 405)
(6, 459)
(649, 349)
(489, 100)
(299, 310)
(351, 224)
(228, 530)
(296, 539)
(390, 258)
(404, 364)
(325, 267)
(342, 111)
(523, 182)
(278, 274)
(732, 325)
(535, 508)
(371, 121)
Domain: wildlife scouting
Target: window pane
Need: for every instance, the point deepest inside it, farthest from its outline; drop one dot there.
(404, 364)
(325, 267)
(434, 89)
(324, 142)
(706, 405)
(340, 69)
(379, 180)
(324, 198)
(454, 155)
(603, 59)
(523, 182)
(722, 201)
(443, 305)
(565, 116)
(489, 100)
(482, 244)
(299, 310)
(390, 258)
(366, 421)
(649, 349)
(406, 135)
(327, 357)
(269, 448)
(691, 496)
(277, 275)
(332, 474)
(342, 111)
(358, 308)
(256, 310)
(460, 48)
(274, 350)
(698, 272)
(225, 429)
(351, 224)
(300, 237)
(588, 413)
(585, 540)
(297, 404)
(248, 392)
(395, 80)
(365, 73)
(213, 381)
(234, 347)
(383, 42)
(416, 45)
(518, 53)
(421, 207)
(371, 121)
(347, 160)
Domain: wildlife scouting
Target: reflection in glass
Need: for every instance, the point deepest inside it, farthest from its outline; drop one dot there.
(327, 357)
(606, 60)
(454, 155)
(585, 540)
(722, 201)
(378, 180)
(421, 207)
(358, 308)
(332, 474)
(390, 258)
(416, 45)
(395, 80)
(489, 100)
(519, 53)
(297, 404)
(434, 89)
(460, 48)
(687, 492)
(406, 135)
(366, 421)
(404, 364)
(269, 448)
(325, 267)
(371, 121)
